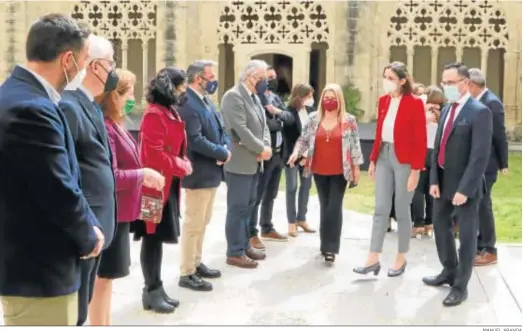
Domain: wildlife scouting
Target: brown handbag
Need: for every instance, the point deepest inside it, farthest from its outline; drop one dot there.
(151, 208)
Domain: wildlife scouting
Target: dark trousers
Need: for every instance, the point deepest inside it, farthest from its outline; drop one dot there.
(241, 197)
(460, 270)
(331, 190)
(487, 226)
(151, 262)
(88, 270)
(291, 187)
(266, 192)
(422, 202)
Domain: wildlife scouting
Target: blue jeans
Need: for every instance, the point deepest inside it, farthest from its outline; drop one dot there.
(291, 186)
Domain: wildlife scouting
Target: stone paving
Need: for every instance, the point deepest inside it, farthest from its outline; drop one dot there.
(294, 287)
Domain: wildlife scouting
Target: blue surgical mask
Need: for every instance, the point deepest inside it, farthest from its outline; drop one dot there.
(211, 86)
(451, 93)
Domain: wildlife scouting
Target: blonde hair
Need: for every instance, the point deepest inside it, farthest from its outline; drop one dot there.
(109, 101)
(339, 97)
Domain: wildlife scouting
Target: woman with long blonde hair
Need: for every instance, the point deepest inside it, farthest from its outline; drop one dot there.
(334, 156)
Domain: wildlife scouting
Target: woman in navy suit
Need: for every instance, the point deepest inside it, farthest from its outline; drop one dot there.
(129, 176)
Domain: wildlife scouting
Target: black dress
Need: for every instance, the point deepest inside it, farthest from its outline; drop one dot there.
(168, 230)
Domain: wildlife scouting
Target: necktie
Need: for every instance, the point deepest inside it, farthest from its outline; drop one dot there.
(256, 104)
(446, 134)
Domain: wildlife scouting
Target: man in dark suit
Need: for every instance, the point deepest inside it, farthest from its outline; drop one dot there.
(498, 161)
(46, 223)
(269, 180)
(461, 153)
(86, 123)
(244, 119)
(208, 149)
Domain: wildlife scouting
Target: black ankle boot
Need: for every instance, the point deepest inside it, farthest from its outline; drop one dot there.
(173, 302)
(153, 300)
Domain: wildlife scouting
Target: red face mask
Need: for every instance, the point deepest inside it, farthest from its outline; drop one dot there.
(330, 104)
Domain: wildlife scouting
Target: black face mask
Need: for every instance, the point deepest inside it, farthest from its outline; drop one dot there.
(112, 81)
(273, 85)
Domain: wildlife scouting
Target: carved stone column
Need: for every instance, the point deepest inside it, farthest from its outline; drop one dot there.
(170, 33)
(510, 97)
(10, 26)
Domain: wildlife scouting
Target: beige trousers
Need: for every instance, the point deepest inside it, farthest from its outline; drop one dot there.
(198, 212)
(56, 311)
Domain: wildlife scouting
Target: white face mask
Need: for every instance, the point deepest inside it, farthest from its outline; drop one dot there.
(389, 86)
(77, 81)
(423, 97)
(309, 102)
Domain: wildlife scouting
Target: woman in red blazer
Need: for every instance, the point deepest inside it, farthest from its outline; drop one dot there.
(163, 147)
(397, 156)
(130, 176)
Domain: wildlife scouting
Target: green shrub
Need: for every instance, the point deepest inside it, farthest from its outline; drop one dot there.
(352, 98)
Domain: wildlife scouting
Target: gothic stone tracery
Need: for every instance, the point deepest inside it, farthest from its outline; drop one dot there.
(449, 23)
(457, 24)
(122, 21)
(273, 22)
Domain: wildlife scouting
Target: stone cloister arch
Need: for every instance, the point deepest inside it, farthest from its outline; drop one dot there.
(293, 28)
(460, 30)
(131, 25)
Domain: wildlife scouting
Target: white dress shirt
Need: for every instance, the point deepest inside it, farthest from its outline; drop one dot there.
(304, 117)
(51, 91)
(482, 94)
(387, 132)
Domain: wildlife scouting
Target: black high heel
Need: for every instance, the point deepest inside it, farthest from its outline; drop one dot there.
(397, 272)
(375, 268)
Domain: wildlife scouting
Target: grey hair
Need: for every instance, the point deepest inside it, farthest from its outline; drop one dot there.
(197, 68)
(251, 67)
(477, 77)
(100, 48)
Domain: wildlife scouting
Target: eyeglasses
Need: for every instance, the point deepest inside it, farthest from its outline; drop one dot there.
(451, 83)
(112, 64)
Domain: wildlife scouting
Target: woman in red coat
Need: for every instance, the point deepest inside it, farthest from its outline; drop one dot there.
(397, 156)
(163, 148)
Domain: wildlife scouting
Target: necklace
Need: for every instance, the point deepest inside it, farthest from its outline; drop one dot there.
(329, 132)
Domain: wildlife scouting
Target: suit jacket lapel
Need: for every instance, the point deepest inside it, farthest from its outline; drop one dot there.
(461, 115)
(87, 106)
(247, 95)
(129, 140)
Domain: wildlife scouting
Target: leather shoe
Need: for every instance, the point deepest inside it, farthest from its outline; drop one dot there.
(455, 297)
(438, 280)
(195, 283)
(254, 254)
(242, 262)
(204, 272)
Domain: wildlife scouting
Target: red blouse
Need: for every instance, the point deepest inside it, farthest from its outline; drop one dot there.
(327, 158)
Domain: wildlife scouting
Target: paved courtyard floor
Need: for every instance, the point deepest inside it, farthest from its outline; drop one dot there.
(294, 287)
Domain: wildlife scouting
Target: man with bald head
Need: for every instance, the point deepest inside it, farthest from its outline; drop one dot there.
(498, 161)
(86, 123)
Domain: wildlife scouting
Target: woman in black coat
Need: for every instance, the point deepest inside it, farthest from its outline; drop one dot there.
(300, 106)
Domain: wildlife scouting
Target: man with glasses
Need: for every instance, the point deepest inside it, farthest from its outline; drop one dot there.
(208, 149)
(86, 123)
(244, 118)
(460, 157)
